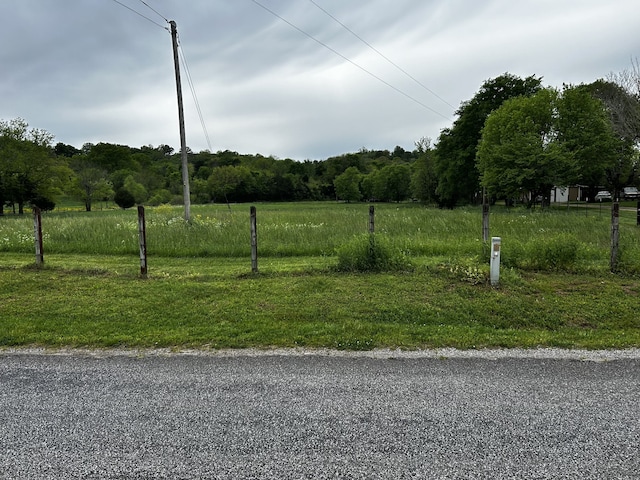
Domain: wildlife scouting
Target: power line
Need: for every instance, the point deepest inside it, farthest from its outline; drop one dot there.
(193, 93)
(182, 57)
(141, 15)
(413, 99)
(154, 11)
(382, 55)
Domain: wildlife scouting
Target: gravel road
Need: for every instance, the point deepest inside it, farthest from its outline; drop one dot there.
(295, 414)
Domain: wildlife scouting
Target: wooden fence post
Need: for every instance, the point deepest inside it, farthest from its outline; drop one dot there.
(371, 218)
(37, 230)
(615, 235)
(142, 233)
(254, 241)
(485, 218)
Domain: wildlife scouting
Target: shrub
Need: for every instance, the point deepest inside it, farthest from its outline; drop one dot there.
(124, 199)
(43, 203)
(370, 253)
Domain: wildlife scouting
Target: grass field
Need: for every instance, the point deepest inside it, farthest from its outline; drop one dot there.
(555, 287)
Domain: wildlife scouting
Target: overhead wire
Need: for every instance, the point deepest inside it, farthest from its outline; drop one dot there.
(193, 93)
(141, 15)
(381, 80)
(382, 54)
(182, 58)
(154, 11)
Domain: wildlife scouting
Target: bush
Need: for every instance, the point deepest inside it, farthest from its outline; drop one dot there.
(124, 199)
(370, 253)
(43, 203)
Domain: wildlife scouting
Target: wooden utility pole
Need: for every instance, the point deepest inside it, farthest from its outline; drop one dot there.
(183, 141)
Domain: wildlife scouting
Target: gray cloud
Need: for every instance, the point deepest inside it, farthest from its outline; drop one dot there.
(91, 71)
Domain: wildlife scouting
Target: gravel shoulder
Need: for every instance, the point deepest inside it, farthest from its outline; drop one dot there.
(487, 354)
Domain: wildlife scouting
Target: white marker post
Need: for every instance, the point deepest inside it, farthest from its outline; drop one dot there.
(495, 260)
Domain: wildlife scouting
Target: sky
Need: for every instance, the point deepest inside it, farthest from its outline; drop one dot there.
(300, 79)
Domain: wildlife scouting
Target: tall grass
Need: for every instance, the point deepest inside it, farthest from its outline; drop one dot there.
(557, 240)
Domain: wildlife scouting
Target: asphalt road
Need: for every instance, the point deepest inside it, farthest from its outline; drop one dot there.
(317, 416)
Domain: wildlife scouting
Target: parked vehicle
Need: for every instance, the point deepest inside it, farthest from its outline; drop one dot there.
(603, 196)
(630, 193)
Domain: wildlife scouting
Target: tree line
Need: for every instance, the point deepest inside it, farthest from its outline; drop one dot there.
(514, 140)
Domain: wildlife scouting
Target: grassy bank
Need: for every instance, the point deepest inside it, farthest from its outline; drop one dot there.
(298, 302)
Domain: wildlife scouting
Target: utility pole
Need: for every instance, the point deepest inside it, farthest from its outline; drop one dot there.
(183, 141)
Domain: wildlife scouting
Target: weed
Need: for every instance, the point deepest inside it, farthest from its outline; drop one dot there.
(370, 253)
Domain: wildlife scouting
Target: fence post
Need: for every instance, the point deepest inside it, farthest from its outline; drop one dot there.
(371, 218)
(37, 230)
(142, 233)
(485, 218)
(254, 241)
(615, 235)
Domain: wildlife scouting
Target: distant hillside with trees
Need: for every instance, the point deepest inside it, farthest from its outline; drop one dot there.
(514, 138)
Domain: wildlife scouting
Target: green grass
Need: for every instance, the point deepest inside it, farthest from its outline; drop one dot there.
(318, 229)
(200, 292)
(301, 303)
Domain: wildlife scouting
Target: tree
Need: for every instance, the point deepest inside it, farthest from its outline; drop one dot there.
(136, 189)
(27, 168)
(622, 105)
(63, 150)
(455, 152)
(111, 157)
(621, 96)
(390, 183)
(229, 183)
(585, 132)
(519, 155)
(124, 199)
(91, 183)
(347, 185)
(398, 181)
(423, 179)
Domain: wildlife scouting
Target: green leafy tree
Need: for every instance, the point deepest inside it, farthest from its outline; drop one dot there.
(91, 183)
(455, 152)
(585, 131)
(124, 199)
(519, 155)
(136, 189)
(423, 178)
(28, 170)
(390, 183)
(111, 157)
(229, 183)
(398, 181)
(347, 185)
(622, 104)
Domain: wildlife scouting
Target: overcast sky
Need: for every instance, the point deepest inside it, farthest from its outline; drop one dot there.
(94, 71)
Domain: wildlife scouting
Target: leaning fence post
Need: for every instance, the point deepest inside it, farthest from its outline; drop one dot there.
(142, 233)
(37, 230)
(254, 241)
(371, 218)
